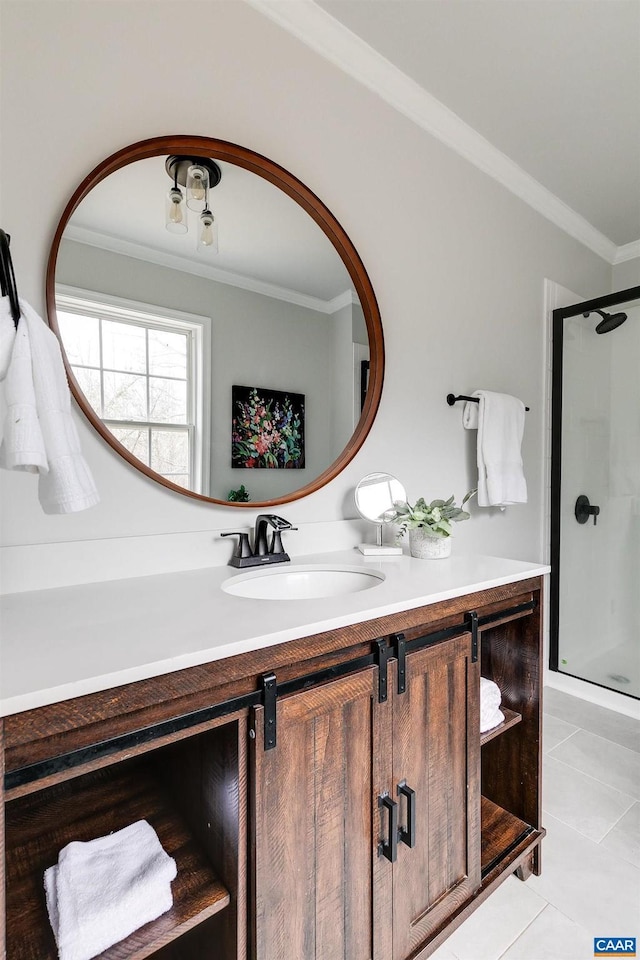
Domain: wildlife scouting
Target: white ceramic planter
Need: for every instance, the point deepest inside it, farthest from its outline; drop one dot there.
(424, 546)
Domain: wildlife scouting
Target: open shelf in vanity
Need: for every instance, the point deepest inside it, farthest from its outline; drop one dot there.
(189, 794)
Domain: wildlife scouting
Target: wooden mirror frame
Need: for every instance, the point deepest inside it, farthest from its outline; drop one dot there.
(294, 188)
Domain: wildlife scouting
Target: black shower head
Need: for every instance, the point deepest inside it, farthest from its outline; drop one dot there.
(609, 320)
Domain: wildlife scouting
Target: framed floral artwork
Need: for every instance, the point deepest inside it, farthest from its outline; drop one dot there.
(267, 428)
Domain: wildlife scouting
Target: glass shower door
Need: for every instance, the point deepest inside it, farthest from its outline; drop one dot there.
(595, 600)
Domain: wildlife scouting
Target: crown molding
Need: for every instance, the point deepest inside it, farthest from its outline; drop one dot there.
(139, 251)
(336, 43)
(627, 252)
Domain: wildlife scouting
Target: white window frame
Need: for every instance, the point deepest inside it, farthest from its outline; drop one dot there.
(90, 303)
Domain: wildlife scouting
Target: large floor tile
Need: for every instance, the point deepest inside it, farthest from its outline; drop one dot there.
(606, 723)
(497, 922)
(552, 936)
(589, 806)
(624, 838)
(586, 882)
(554, 731)
(601, 759)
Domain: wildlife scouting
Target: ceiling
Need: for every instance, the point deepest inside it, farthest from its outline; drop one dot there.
(552, 84)
(266, 241)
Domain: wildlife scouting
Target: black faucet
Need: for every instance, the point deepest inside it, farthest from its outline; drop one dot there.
(263, 552)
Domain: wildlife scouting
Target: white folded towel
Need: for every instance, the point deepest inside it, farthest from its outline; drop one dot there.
(39, 434)
(101, 891)
(499, 420)
(490, 699)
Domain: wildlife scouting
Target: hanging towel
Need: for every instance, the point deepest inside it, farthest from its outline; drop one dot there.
(101, 891)
(499, 420)
(7, 335)
(39, 432)
(490, 699)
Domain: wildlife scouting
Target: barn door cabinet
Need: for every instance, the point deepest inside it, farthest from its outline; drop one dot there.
(330, 798)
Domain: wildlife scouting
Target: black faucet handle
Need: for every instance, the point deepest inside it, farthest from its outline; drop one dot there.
(276, 540)
(243, 548)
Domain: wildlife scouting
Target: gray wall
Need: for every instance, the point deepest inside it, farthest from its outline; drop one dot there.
(458, 269)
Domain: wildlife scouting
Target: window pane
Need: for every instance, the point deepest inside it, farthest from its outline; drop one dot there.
(167, 400)
(123, 346)
(125, 397)
(170, 451)
(136, 441)
(168, 354)
(89, 383)
(80, 336)
(182, 480)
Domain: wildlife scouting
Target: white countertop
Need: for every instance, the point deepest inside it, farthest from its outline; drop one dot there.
(66, 642)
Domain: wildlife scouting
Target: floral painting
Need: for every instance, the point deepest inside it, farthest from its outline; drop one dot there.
(267, 428)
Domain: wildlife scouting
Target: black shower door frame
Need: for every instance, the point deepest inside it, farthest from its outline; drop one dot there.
(559, 317)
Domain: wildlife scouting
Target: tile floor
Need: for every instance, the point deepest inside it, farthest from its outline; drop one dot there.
(590, 883)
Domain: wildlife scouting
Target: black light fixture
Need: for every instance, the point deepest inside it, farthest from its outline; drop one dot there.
(197, 175)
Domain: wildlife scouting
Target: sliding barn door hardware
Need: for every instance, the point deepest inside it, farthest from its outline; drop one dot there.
(269, 697)
(383, 653)
(472, 620)
(400, 646)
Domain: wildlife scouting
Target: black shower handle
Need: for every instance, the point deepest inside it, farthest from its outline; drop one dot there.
(584, 510)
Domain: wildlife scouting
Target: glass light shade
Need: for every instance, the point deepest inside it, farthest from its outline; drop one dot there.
(197, 186)
(176, 212)
(207, 232)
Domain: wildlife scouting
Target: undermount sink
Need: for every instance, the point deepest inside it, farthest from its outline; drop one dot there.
(302, 582)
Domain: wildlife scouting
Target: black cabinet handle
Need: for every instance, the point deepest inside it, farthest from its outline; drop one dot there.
(408, 836)
(390, 849)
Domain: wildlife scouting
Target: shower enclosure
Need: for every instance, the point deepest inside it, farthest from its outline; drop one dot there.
(595, 492)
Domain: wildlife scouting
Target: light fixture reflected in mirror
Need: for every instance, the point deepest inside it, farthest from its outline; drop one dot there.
(197, 175)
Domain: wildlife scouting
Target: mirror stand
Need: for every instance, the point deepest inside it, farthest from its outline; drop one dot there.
(379, 548)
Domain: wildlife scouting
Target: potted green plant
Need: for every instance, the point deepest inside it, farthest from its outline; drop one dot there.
(430, 525)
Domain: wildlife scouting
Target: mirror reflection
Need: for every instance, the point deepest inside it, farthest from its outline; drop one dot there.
(234, 368)
(376, 497)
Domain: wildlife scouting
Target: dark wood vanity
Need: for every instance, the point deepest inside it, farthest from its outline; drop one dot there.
(326, 798)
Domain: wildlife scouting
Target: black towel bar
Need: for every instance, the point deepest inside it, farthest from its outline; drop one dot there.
(451, 399)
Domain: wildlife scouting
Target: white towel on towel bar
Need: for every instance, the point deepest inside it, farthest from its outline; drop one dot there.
(499, 420)
(101, 891)
(39, 434)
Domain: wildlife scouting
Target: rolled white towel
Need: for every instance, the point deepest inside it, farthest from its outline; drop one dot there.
(101, 891)
(490, 699)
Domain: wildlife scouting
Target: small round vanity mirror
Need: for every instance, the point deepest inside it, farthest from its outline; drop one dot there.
(235, 356)
(376, 497)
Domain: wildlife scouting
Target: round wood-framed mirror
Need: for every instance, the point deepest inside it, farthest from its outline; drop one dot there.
(248, 364)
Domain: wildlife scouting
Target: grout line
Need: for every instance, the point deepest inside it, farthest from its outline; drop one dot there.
(602, 783)
(526, 927)
(622, 815)
(564, 740)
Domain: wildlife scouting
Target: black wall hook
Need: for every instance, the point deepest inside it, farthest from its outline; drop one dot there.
(8, 277)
